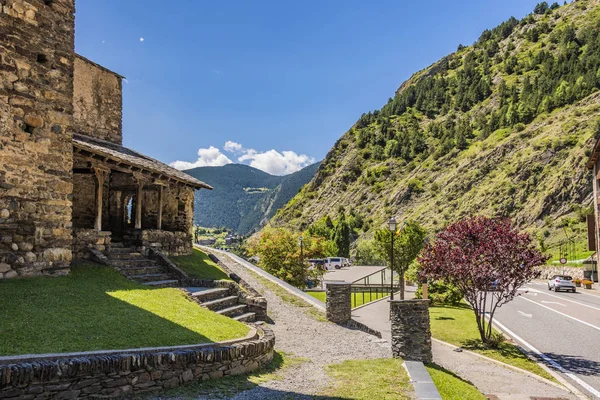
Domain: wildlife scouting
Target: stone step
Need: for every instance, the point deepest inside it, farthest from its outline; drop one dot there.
(143, 270)
(133, 262)
(247, 317)
(202, 294)
(115, 245)
(163, 284)
(222, 303)
(150, 277)
(121, 250)
(233, 311)
(117, 256)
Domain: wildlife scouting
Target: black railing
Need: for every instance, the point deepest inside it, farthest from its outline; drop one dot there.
(363, 294)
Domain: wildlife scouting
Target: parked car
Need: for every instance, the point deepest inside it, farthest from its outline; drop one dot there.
(332, 263)
(561, 282)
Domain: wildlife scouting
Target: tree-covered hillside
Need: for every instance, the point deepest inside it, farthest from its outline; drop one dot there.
(500, 127)
(243, 196)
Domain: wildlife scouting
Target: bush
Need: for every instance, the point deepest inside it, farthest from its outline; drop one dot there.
(442, 294)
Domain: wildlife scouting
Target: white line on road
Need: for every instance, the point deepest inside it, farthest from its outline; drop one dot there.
(553, 302)
(525, 315)
(549, 360)
(563, 314)
(566, 299)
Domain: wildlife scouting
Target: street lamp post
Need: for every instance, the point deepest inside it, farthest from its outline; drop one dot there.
(392, 226)
(301, 249)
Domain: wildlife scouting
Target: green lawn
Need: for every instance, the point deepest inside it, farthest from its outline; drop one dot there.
(95, 308)
(451, 386)
(382, 379)
(359, 300)
(456, 325)
(197, 265)
(385, 379)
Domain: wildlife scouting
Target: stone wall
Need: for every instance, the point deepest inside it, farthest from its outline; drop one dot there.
(338, 303)
(548, 272)
(178, 208)
(109, 376)
(169, 243)
(36, 116)
(411, 332)
(97, 101)
(85, 239)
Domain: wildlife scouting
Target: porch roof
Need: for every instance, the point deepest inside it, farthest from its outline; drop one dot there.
(122, 157)
(594, 156)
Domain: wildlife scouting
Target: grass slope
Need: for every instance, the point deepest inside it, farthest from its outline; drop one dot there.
(199, 266)
(456, 325)
(451, 386)
(533, 171)
(95, 308)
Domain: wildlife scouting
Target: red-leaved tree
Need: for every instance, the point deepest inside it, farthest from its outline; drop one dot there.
(488, 259)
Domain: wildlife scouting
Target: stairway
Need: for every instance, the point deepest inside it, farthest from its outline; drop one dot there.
(222, 301)
(137, 267)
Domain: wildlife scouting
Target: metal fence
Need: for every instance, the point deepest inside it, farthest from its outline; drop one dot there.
(372, 287)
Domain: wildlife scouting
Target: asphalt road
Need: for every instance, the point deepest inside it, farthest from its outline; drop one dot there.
(563, 327)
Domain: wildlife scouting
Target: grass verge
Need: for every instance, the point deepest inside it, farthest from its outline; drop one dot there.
(381, 379)
(356, 301)
(230, 386)
(199, 266)
(456, 325)
(96, 308)
(451, 386)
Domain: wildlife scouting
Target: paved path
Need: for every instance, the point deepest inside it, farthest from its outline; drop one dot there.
(565, 327)
(301, 335)
(489, 377)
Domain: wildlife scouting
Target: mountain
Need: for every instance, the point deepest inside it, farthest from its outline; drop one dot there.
(243, 196)
(502, 127)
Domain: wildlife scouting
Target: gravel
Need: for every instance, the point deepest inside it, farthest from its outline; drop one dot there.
(301, 335)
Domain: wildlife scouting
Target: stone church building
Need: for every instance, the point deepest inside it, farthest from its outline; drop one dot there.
(66, 182)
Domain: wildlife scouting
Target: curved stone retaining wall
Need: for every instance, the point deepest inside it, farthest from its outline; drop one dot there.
(115, 375)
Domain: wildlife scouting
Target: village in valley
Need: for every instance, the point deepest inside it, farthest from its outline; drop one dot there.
(444, 248)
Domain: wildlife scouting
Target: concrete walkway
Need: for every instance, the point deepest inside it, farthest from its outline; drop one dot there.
(490, 378)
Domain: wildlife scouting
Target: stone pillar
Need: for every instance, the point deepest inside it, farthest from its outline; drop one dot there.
(140, 181)
(338, 304)
(411, 333)
(101, 174)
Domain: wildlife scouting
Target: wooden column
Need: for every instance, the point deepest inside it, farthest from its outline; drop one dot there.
(160, 207)
(138, 200)
(100, 174)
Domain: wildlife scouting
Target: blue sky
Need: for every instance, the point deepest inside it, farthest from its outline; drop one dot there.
(280, 81)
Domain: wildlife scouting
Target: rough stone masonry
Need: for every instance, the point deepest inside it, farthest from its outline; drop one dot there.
(36, 153)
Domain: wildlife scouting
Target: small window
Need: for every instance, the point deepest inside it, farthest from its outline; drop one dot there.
(48, 2)
(41, 58)
(27, 128)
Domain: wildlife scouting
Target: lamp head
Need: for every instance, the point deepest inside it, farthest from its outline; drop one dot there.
(392, 224)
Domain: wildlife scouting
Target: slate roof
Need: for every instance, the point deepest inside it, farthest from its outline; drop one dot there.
(134, 159)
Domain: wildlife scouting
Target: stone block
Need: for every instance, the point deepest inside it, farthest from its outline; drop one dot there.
(338, 304)
(411, 332)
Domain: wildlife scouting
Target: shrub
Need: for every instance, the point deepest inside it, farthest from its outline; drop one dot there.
(441, 294)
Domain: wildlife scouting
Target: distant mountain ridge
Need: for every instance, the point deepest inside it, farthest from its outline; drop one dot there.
(244, 196)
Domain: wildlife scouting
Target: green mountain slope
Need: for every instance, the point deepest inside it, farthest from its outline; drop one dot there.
(243, 196)
(503, 127)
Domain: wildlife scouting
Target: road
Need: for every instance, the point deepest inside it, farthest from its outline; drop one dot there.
(563, 327)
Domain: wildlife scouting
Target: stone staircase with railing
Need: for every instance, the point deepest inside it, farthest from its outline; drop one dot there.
(222, 301)
(137, 267)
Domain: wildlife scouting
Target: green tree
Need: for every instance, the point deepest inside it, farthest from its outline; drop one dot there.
(341, 235)
(279, 254)
(367, 253)
(408, 243)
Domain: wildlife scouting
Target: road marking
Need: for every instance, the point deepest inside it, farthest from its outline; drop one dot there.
(549, 360)
(525, 315)
(553, 302)
(569, 300)
(563, 314)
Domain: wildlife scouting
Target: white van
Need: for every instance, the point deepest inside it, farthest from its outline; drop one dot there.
(332, 263)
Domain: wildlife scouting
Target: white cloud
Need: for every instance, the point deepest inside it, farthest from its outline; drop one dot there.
(233, 147)
(142, 39)
(276, 163)
(211, 157)
(271, 161)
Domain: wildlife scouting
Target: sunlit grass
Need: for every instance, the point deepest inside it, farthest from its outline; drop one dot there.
(95, 308)
(451, 386)
(199, 266)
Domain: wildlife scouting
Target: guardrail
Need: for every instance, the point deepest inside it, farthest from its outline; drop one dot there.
(372, 287)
